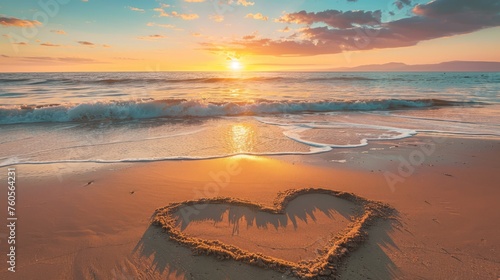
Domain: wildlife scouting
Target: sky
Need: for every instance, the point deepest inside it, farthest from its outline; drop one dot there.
(242, 35)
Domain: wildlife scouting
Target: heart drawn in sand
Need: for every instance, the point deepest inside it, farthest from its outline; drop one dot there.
(279, 237)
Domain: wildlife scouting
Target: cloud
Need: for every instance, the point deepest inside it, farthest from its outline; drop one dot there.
(152, 37)
(163, 13)
(257, 16)
(135, 9)
(333, 18)
(461, 11)
(126, 58)
(267, 46)
(194, 1)
(16, 22)
(217, 18)
(90, 44)
(245, 3)
(184, 16)
(362, 30)
(61, 32)
(47, 44)
(48, 59)
(86, 43)
(161, 25)
(77, 60)
(402, 3)
(21, 43)
(284, 30)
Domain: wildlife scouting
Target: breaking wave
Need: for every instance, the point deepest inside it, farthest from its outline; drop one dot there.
(183, 108)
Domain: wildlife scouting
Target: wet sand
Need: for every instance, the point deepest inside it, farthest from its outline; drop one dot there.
(97, 224)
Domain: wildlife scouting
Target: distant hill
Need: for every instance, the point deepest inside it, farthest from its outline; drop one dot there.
(450, 66)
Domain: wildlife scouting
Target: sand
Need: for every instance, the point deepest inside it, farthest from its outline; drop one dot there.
(340, 230)
(445, 223)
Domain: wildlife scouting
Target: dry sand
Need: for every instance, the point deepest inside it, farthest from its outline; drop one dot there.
(447, 222)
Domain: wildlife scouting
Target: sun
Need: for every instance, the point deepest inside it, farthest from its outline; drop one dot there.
(235, 65)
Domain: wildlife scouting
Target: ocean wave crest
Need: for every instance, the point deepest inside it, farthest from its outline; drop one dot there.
(182, 108)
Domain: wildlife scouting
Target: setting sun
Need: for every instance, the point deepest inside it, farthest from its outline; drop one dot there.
(235, 65)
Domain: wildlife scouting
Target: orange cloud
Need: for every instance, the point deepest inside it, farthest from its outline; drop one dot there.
(363, 30)
(257, 16)
(333, 18)
(249, 37)
(217, 18)
(62, 32)
(184, 16)
(12, 21)
(160, 25)
(284, 30)
(77, 60)
(152, 37)
(47, 44)
(86, 43)
(245, 3)
(163, 13)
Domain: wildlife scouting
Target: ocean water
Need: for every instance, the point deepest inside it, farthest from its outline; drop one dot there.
(150, 116)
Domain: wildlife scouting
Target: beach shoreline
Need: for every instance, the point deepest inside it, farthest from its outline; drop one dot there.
(97, 224)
